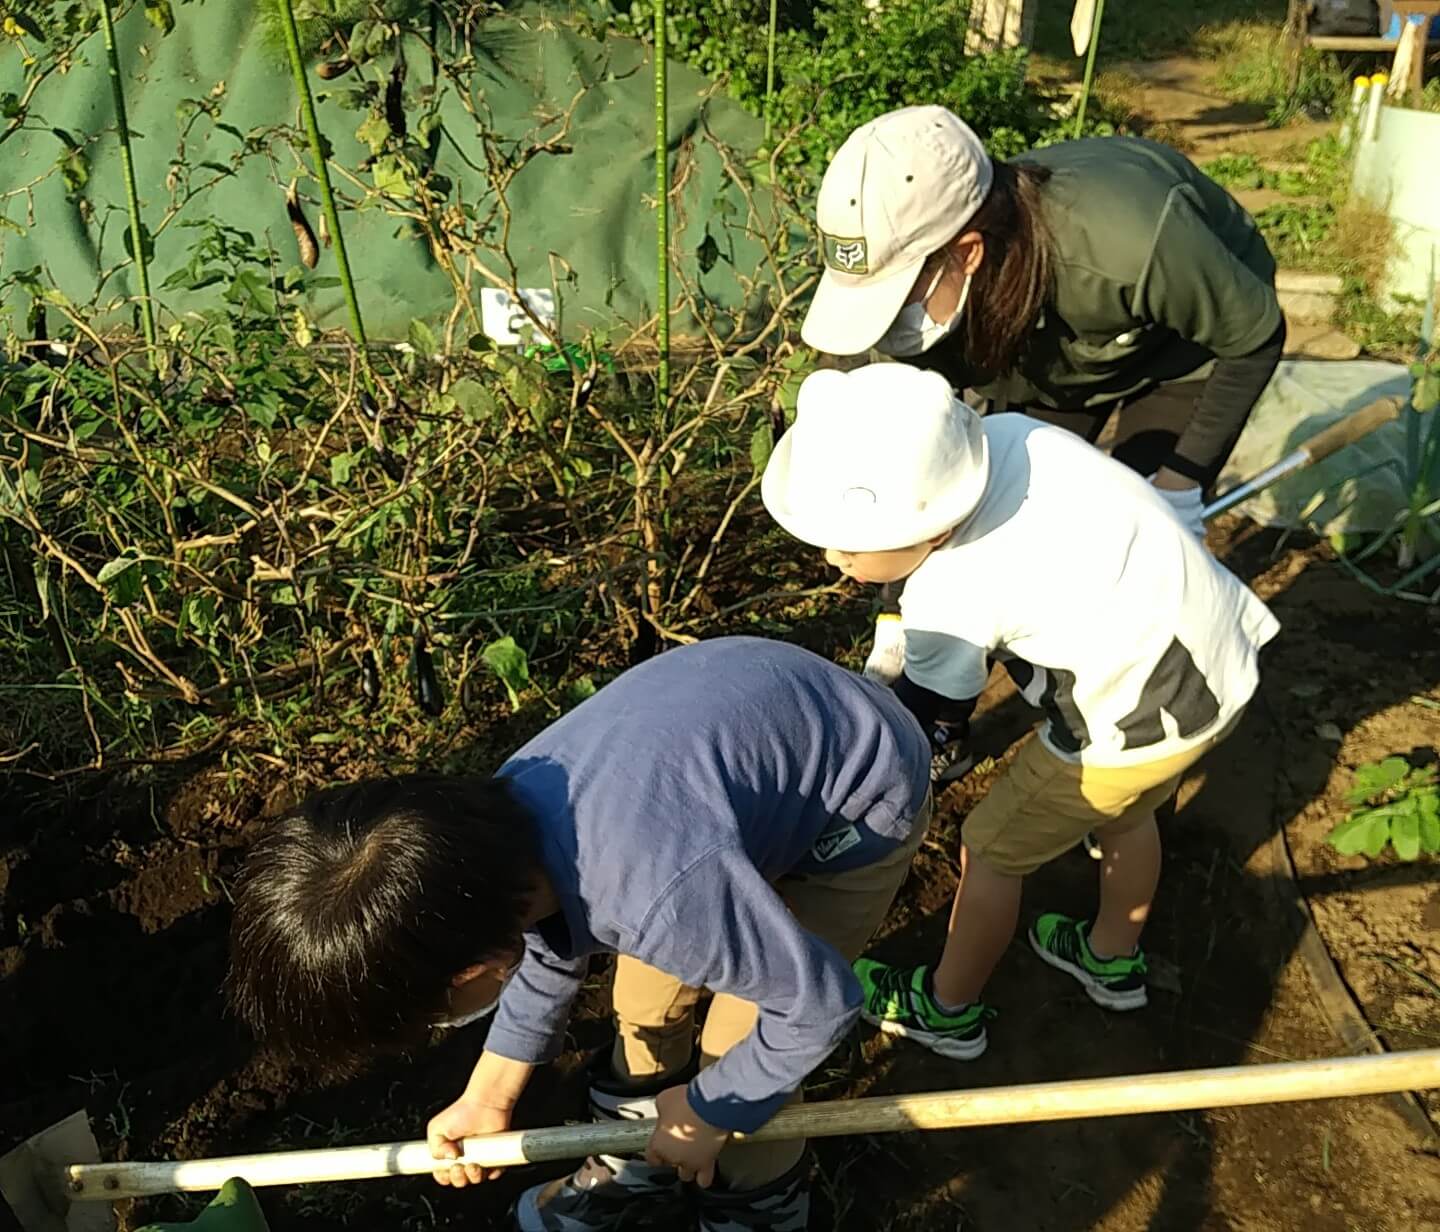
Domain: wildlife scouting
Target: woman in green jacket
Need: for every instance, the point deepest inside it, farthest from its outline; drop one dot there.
(1087, 278)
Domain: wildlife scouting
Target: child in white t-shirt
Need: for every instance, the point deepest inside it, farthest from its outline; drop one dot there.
(1020, 543)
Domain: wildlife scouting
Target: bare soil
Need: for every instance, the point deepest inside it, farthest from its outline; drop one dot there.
(112, 949)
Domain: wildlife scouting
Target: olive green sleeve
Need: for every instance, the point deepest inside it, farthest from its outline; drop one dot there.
(1195, 285)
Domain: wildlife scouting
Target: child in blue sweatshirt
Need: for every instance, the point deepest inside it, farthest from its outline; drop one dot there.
(735, 815)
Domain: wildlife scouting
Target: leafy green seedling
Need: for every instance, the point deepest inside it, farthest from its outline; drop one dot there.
(1395, 803)
(511, 664)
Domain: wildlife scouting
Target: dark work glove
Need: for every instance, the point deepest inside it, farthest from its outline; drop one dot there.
(951, 757)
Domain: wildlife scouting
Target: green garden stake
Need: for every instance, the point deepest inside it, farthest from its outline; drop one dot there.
(1089, 67)
(132, 196)
(770, 69)
(322, 175)
(234, 1209)
(662, 218)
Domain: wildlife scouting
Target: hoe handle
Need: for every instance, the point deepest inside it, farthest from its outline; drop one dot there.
(1046, 1101)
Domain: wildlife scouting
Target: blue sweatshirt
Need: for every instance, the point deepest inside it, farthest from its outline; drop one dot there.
(668, 804)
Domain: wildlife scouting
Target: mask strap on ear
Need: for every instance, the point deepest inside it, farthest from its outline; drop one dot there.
(964, 296)
(935, 282)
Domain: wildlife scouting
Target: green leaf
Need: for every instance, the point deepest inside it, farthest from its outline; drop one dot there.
(114, 568)
(147, 243)
(74, 170)
(198, 613)
(248, 288)
(1428, 809)
(1426, 394)
(1357, 833)
(390, 177)
(762, 445)
(341, 466)
(352, 98)
(422, 338)
(159, 14)
(360, 41)
(1405, 834)
(510, 663)
(121, 580)
(579, 690)
(375, 132)
(379, 40)
(1375, 778)
(42, 585)
(1376, 836)
(475, 403)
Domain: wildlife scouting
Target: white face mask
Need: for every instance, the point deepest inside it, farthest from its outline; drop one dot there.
(913, 331)
(485, 1010)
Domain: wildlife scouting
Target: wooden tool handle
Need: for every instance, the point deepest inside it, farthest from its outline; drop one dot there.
(1046, 1101)
(1350, 429)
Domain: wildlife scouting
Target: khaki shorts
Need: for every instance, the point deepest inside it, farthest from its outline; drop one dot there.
(1043, 805)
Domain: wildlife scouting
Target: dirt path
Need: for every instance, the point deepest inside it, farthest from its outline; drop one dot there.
(1179, 96)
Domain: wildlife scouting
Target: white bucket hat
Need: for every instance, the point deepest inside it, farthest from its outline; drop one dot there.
(900, 188)
(879, 458)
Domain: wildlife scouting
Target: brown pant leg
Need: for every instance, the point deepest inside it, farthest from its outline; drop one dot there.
(1141, 431)
(1087, 423)
(844, 909)
(654, 1021)
(1150, 425)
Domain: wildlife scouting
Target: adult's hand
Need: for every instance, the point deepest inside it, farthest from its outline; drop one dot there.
(1184, 497)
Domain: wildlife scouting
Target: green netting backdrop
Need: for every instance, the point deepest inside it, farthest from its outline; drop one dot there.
(590, 206)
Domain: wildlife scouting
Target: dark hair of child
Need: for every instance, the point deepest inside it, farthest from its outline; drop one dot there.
(354, 912)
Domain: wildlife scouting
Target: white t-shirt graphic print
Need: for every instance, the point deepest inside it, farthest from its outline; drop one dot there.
(1111, 618)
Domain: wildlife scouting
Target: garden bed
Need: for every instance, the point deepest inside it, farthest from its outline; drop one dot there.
(112, 948)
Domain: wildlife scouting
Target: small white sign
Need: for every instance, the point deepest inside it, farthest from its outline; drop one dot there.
(504, 320)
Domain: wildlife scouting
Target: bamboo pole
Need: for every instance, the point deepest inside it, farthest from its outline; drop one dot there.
(1133, 1094)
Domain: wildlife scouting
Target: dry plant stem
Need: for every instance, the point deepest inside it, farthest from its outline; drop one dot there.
(132, 196)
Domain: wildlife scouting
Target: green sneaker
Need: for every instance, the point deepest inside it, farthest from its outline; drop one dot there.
(899, 1002)
(1115, 983)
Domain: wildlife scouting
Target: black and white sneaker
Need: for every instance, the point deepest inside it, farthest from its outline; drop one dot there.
(607, 1192)
(783, 1205)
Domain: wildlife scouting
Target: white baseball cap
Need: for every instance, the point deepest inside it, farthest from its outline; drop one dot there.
(879, 458)
(900, 188)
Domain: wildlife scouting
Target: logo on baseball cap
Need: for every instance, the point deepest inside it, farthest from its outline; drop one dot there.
(899, 189)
